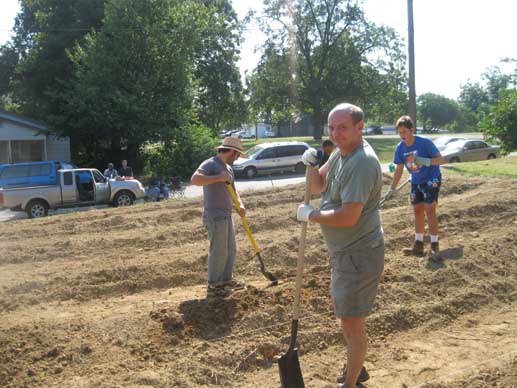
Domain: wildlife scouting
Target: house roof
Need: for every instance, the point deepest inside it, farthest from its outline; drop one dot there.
(20, 120)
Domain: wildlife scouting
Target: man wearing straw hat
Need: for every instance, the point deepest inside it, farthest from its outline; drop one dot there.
(213, 174)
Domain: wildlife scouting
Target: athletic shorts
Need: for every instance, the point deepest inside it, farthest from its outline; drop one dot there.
(425, 192)
(354, 279)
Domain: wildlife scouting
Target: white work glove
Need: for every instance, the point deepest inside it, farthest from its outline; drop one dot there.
(389, 194)
(303, 212)
(310, 157)
(419, 161)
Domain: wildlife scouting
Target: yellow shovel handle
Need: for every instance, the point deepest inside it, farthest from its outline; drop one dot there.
(244, 220)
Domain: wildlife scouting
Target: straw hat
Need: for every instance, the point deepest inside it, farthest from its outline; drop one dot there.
(233, 143)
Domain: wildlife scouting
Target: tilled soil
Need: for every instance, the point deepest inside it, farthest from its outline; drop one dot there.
(117, 298)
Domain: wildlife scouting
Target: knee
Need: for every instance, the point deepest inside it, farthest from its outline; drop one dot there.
(353, 327)
(430, 210)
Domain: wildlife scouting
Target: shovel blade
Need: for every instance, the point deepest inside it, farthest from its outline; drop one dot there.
(290, 371)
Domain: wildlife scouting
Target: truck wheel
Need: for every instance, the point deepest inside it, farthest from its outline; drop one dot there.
(123, 198)
(37, 208)
(455, 160)
(491, 156)
(250, 172)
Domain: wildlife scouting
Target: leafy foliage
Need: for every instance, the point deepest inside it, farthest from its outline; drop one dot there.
(325, 52)
(501, 123)
(115, 75)
(437, 110)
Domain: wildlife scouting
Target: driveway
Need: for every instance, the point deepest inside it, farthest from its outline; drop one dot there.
(193, 191)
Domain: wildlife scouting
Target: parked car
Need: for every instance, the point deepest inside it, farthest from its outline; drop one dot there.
(31, 173)
(469, 151)
(373, 130)
(74, 187)
(443, 141)
(268, 158)
(389, 130)
(269, 134)
(245, 135)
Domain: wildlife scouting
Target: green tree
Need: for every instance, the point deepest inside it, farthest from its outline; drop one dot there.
(272, 98)
(330, 48)
(220, 99)
(437, 110)
(473, 95)
(501, 123)
(466, 120)
(134, 80)
(44, 30)
(497, 81)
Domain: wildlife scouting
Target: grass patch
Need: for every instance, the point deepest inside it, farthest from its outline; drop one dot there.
(384, 147)
(502, 167)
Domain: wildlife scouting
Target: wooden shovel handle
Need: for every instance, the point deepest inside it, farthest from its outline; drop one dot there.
(301, 248)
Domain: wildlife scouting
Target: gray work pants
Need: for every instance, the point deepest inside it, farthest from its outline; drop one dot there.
(221, 256)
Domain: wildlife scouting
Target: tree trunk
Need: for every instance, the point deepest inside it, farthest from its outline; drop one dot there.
(317, 122)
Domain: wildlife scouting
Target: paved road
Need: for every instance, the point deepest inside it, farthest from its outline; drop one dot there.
(194, 191)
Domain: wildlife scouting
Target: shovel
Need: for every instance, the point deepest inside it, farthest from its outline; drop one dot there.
(397, 189)
(288, 364)
(268, 275)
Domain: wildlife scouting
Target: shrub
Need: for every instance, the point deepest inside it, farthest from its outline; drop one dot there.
(501, 123)
(181, 156)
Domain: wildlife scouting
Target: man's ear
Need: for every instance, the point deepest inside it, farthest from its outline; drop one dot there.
(360, 125)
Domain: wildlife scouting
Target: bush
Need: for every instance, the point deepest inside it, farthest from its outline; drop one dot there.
(501, 123)
(181, 156)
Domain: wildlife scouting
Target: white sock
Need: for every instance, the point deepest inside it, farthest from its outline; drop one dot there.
(434, 239)
(419, 236)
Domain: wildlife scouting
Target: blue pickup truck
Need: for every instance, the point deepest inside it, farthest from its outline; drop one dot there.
(31, 174)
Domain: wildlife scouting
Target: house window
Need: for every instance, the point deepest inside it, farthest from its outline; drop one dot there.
(27, 151)
(4, 152)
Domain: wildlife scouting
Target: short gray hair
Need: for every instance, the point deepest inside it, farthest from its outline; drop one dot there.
(354, 111)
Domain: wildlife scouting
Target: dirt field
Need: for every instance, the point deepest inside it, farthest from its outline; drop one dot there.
(117, 298)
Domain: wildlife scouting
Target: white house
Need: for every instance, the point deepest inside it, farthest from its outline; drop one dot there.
(26, 140)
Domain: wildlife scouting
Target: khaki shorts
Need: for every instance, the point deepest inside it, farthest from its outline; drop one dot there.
(354, 279)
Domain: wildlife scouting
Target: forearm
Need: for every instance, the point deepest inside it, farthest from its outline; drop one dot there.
(396, 176)
(335, 218)
(317, 181)
(437, 161)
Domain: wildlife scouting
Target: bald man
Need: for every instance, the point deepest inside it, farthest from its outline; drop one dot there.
(350, 184)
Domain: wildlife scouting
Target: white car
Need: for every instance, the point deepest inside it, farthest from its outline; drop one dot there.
(245, 135)
(267, 158)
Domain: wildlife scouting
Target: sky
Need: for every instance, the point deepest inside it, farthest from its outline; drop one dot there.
(455, 40)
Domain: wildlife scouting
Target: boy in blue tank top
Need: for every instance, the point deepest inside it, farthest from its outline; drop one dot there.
(422, 160)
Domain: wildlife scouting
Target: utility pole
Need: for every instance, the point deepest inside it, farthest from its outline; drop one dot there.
(411, 53)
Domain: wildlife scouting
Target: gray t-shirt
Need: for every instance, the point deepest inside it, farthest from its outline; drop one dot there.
(217, 199)
(356, 177)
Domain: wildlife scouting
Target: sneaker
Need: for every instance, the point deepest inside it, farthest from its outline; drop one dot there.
(363, 376)
(217, 291)
(417, 249)
(434, 255)
(234, 285)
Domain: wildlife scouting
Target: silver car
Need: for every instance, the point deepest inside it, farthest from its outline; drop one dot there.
(268, 158)
(469, 151)
(443, 141)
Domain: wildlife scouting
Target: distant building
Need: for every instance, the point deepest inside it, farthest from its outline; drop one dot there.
(26, 140)
(260, 130)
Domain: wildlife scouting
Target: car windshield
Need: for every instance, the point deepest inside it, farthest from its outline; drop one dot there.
(253, 151)
(443, 140)
(453, 145)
